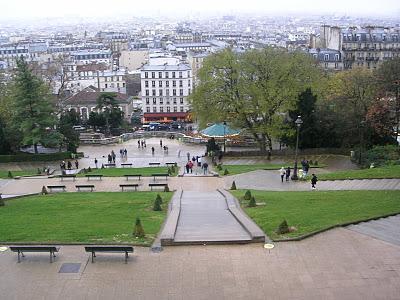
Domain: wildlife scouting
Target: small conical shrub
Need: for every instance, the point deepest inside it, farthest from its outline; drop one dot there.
(159, 198)
(157, 205)
(247, 195)
(102, 166)
(89, 169)
(10, 175)
(310, 162)
(252, 202)
(2, 201)
(283, 228)
(39, 171)
(173, 169)
(219, 167)
(138, 231)
(169, 171)
(226, 172)
(233, 187)
(166, 188)
(316, 163)
(44, 191)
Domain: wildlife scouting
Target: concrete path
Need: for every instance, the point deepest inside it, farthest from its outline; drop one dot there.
(385, 229)
(204, 217)
(339, 264)
(270, 181)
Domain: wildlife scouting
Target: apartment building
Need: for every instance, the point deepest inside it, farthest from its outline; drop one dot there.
(165, 89)
(95, 56)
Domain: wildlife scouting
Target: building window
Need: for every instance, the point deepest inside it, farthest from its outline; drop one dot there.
(161, 109)
(188, 83)
(180, 74)
(154, 100)
(147, 100)
(167, 100)
(326, 57)
(148, 109)
(161, 101)
(174, 83)
(173, 74)
(168, 109)
(166, 75)
(189, 91)
(160, 92)
(336, 56)
(175, 109)
(182, 109)
(153, 92)
(181, 100)
(174, 92)
(153, 74)
(153, 84)
(180, 83)
(188, 74)
(174, 100)
(147, 93)
(154, 109)
(146, 75)
(105, 85)
(167, 83)
(159, 74)
(167, 93)
(181, 92)
(160, 83)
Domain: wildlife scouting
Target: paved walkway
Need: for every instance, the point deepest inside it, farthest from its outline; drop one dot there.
(386, 229)
(339, 264)
(204, 217)
(271, 181)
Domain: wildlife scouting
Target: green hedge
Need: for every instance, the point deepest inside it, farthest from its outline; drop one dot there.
(35, 157)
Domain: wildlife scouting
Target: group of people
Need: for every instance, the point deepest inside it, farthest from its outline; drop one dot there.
(123, 153)
(68, 165)
(196, 160)
(141, 144)
(305, 166)
(285, 173)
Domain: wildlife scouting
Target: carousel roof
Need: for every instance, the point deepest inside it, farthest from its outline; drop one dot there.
(219, 130)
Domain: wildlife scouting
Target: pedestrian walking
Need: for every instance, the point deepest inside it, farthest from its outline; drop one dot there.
(199, 161)
(95, 162)
(76, 164)
(126, 152)
(282, 172)
(69, 165)
(161, 143)
(113, 158)
(187, 167)
(191, 167)
(109, 158)
(188, 156)
(205, 168)
(179, 153)
(306, 167)
(152, 150)
(314, 180)
(138, 144)
(288, 173)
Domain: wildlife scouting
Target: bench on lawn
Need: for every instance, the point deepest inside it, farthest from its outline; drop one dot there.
(151, 185)
(133, 185)
(109, 249)
(73, 176)
(56, 187)
(126, 164)
(160, 175)
(21, 249)
(154, 163)
(171, 164)
(135, 176)
(109, 165)
(85, 186)
(99, 176)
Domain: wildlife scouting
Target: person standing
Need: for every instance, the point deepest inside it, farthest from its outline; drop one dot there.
(314, 180)
(205, 168)
(138, 144)
(95, 162)
(69, 165)
(187, 167)
(76, 164)
(191, 167)
(282, 173)
(152, 150)
(288, 173)
(188, 156)
(161, 143)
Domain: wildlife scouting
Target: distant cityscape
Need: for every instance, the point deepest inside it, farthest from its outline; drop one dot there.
(152, 64)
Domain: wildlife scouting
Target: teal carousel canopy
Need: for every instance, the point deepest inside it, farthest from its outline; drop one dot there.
(219, 130)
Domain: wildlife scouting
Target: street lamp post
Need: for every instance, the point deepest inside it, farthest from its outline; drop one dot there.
(224, 136)
(298, 123)
(362, 124)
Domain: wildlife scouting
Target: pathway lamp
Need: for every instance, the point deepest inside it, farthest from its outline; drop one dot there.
(298, 123)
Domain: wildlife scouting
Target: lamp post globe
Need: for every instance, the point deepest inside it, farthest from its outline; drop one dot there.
(298, 123)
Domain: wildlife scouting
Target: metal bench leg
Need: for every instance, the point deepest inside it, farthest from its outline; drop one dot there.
(19, 259)
(126, 257)
(93, 256)
(51, 256)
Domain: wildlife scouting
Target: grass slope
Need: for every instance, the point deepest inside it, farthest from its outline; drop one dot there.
(81, 218)
(316, 210)
(4, 173)
(374, 173)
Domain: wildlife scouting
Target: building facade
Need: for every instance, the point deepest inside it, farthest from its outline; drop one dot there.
(165, 89)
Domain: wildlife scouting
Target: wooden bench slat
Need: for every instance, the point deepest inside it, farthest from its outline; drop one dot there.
(85, 186)
(109, 249)
(21, 249)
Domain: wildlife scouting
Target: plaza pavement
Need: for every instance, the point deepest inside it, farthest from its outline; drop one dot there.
(339, 264)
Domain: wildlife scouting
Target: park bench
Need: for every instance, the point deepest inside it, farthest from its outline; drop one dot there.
(73, 176)
(127, 176)
(109, 249)
(56, 187)
(131, 185)
(22, 249)
(154, 163)
(126, 164)
(98, 176)
(109, 165)
(85, 186)
(171, 163)
(152, 185)
(160, 175)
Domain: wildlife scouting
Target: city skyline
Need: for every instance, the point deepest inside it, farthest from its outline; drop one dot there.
(24, 9)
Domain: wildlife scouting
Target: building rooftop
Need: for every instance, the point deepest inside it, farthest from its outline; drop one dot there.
(180, 67)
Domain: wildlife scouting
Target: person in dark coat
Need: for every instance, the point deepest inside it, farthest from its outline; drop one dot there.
(314, 180)
(287, 173)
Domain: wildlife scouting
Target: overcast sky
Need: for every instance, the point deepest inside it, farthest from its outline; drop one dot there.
(22, 9)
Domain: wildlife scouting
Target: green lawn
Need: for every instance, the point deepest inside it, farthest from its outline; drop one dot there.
(119, 172)
(383, 172)
(81, 218)
(4, 173)
(239, 169)
(316, 210)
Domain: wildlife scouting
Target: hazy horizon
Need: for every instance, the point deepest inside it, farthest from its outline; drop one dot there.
(26, 9)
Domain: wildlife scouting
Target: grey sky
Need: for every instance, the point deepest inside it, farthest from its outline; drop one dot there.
(21, 9)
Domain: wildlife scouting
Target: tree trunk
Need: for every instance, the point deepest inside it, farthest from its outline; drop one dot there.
(35, 148)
